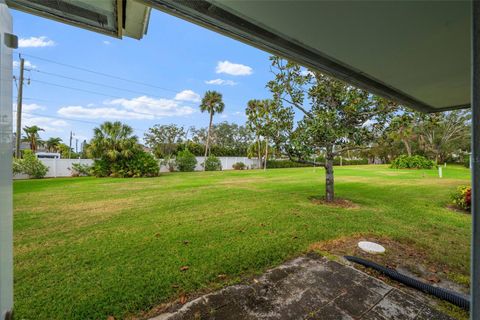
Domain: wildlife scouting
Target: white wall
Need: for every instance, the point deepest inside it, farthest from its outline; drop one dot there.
(62, 167)
(58, 167)
(227, 163)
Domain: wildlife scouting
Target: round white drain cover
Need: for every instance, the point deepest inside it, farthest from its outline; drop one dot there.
(371, 247)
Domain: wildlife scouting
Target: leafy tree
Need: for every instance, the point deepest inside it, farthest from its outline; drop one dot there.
(53, 144)
(65, 151)
(32, 136)
(271, 121)
(212, 103)
(444, 133)
(336, 117)
(230, 136)
(254, 123)
(402, 127)
(164, 139)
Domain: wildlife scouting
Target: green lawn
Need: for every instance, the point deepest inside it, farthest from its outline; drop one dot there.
(87, 248)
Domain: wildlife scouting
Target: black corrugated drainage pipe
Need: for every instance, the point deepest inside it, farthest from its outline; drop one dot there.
(447, 295)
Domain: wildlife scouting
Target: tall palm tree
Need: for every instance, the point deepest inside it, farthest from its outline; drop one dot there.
(212, 103)
(254, 123)
(32, 136)
(113, 140)
(53, 144)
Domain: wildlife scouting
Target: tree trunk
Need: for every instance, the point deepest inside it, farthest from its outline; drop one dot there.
(208, 136)
(407, 147)
(266, 154)
(329, 182)
(208, 141)
(259, 153)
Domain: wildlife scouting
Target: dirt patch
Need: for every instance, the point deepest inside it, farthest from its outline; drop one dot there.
(451, 207)
(338, 203)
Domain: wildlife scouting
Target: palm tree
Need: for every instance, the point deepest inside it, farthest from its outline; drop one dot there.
(212, 103)
(53, 144)
(32, 137)
(254, 123)
(113, 140)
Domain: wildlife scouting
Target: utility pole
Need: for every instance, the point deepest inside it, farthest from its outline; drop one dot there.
(70, 145)
(19, 110)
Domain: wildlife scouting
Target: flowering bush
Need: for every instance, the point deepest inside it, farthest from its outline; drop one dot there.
(462, 199)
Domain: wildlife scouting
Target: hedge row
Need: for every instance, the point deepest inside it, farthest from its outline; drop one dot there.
(274, 164)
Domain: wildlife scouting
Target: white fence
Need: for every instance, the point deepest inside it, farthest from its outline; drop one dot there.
(58, 167)
(227, 163)
(62, 167)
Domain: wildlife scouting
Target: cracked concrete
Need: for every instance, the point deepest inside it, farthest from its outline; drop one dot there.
(310, 287)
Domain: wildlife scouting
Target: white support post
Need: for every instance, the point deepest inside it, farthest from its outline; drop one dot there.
(6, 153)
(475, 92)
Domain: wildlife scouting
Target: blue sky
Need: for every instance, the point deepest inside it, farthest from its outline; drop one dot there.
(175, 55)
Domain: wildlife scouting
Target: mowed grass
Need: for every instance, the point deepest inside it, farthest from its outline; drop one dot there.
(88, 248)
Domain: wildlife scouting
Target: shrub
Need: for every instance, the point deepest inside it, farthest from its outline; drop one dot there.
(185, 161)
(462, 198)
(169, 163)
(239, 166)
(17, 166)
(101, 168)
(275, 164)
(79, 169)
(413, 162)
(212, 164)
(140, 164)
(466, 160)
(30, 166)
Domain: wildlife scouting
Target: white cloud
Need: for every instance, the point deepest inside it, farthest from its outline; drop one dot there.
(35, 42)
(142, 107)
(106, 42)
(221, 82)
(240, 114)
(29, 107)
(188, 95)
(99, 113)
(46, 123)
(234, 69)
(27, 64)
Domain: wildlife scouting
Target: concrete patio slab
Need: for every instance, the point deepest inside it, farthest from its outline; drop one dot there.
(310, 287)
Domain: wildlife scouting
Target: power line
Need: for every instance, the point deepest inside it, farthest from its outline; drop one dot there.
(92, 82)
(99, 73)
(99, 93)
(70, 119)
(76, 89)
